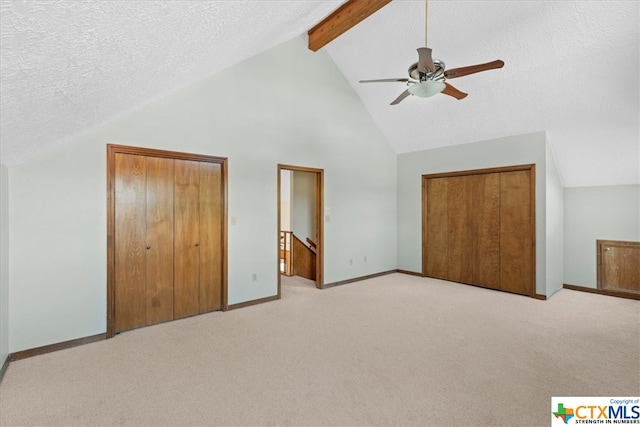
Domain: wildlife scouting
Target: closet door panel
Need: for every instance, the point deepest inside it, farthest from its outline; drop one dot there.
(159, 248)
(516, 230)
(211, 248)
(437, 238)
(130, 213)
(461, 233)
(186, 238)
(486, 216)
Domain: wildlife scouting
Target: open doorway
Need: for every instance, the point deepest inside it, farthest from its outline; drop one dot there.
(300, 223)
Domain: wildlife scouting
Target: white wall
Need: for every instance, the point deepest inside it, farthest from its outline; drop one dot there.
(4, 264)
(303, 201)
(515, 150)
(288, 105)
(554, 225)
(596, 213)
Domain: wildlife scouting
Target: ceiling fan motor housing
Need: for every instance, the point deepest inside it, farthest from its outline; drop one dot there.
(422, 75)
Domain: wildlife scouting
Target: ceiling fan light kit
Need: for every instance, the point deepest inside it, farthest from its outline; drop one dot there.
(426, 88)
(427, 76)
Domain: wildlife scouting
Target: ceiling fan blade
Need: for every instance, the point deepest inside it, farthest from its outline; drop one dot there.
(399, 79)
(464, 71)
(425, 60)
(452, 91)
(402, 96)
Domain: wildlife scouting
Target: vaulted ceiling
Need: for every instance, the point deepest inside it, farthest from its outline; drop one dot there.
(571, 69)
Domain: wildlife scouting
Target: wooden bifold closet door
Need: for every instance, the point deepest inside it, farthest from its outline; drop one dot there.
(166, 237)
(144, 240)
(197, 238)
(478, 228)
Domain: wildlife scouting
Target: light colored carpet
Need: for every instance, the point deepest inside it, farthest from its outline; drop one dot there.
(394, 350)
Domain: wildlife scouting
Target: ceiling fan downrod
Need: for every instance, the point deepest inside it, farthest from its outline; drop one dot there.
(428, 76)
(426, 20)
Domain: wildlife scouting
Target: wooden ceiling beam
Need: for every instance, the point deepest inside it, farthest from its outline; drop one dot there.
(340, 21)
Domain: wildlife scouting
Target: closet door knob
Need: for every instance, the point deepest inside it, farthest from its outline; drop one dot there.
(148, 247)
(197, 244)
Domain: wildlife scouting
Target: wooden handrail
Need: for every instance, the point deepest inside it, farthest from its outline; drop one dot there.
(312, 243)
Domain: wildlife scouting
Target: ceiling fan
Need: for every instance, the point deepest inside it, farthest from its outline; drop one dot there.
(428, 76)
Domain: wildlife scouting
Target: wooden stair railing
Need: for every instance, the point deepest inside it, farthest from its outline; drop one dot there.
(303, 260)
(285, 253)
(312, 245)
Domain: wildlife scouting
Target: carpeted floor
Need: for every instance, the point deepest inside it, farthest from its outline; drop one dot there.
(394, 350)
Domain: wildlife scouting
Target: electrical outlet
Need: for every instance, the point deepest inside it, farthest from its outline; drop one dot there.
(254, 277)
(365, 259)
(350, 261)
(233, 220)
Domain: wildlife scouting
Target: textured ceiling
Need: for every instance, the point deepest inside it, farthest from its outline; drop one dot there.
(68, 65)
(572, 69)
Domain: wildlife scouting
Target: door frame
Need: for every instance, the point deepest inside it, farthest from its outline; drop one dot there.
(319, 222)
(532, 194)
(112, 150)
